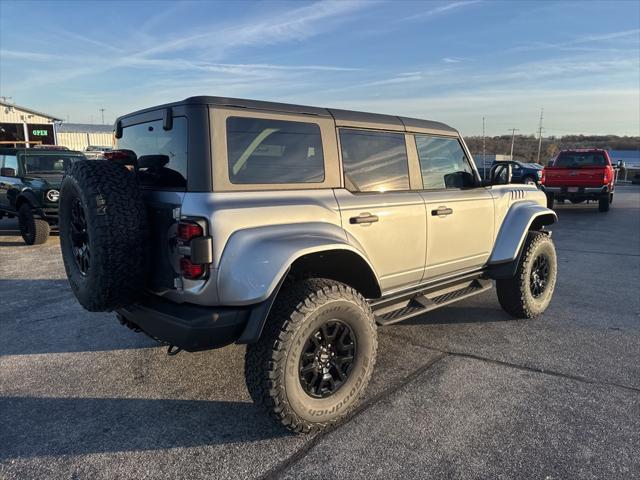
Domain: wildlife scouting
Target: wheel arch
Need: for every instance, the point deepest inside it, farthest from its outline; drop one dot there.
(255, 261)
(521, 218)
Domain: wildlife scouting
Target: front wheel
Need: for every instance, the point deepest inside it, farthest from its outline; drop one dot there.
(529, 292)
(550, 200)
(34, 230)
(315, 356)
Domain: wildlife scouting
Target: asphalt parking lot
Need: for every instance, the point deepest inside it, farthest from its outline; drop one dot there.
(464, 392)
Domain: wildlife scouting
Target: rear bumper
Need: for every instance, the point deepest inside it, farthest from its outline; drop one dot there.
(582, 191)
(190, 327)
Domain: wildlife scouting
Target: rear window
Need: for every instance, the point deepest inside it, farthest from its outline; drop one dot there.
(165, 165)
(374, 161)
(274, 151)
(50, 163)
(580, 159)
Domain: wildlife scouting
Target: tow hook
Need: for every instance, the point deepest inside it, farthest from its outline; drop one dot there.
(173, 350)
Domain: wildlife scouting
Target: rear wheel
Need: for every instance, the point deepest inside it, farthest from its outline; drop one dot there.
(529, 292)
(529, 181)
(103, 232)
(315, 356)
(604, 202)
(34, 230)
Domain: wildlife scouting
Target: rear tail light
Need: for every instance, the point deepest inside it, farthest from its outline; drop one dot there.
(190, 270)
(187, 231)
(542, 176)
(608, 176)
(195, 248)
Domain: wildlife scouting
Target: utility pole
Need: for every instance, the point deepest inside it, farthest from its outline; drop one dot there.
(484, 152)
(102, 113)
(540, 134)
(513, 139)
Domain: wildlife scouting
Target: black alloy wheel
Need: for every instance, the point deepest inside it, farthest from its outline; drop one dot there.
(327, 358)
(79, 237)
(539, 275)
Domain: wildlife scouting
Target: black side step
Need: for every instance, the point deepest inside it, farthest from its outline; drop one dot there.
(427, 301)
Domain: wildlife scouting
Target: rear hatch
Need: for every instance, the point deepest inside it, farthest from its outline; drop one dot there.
(161, 160)
(577, 169)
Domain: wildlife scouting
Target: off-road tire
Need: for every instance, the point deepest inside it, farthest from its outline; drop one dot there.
(514, 294)
(603, 203)
(34, 230)
(271, 364)
(116, 234)
(550, 201)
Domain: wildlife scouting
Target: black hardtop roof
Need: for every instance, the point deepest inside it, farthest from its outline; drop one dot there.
(11, 151)
(381, 120)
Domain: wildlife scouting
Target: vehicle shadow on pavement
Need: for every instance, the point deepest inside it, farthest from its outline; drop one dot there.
(74, 426)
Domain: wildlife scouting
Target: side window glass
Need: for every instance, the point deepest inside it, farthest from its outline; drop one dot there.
(165, 165)
(374, 161)
(443, 163)
(10, 161)
(274, 151)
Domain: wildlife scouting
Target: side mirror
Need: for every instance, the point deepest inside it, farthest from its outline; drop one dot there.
(620, 164)
(460, 180)
(8, 172)
(501, 174)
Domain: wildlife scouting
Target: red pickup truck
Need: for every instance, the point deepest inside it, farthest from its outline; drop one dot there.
(579, 175)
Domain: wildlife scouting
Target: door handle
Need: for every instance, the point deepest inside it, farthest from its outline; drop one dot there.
(363, 218)
(441, 211)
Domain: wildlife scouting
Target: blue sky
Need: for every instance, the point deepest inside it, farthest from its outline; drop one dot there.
(450, 61)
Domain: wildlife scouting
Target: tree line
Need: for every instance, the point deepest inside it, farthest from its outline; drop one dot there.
(526, 146)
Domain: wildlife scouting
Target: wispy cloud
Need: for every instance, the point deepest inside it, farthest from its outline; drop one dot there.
(439, 10)
(452, 59)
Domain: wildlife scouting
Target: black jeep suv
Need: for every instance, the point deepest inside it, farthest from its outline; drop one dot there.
(29, 188)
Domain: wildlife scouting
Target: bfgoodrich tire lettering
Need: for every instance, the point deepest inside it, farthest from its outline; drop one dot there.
(522, 295)
(272, 365)
(112, 275)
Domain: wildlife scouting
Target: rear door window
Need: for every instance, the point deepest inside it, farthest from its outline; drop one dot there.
(443, 163)
(263, 151)
(162, 154)
(374, 161)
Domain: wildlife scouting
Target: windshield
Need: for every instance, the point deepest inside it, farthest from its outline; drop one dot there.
(50, 163)
(580, 159)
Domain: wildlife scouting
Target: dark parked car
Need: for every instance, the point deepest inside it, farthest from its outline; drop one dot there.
(529, 173)
(29, 188)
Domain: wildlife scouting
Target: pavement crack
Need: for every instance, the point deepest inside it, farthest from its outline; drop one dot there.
(278, 470)
(544, 371)
(575, 250)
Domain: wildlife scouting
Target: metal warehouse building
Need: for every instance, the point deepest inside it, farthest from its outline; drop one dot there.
(77, 136)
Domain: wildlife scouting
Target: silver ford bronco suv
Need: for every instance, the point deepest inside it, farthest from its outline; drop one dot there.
(297, 231)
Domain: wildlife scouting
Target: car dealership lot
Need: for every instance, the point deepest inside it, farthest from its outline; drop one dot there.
(462, 392)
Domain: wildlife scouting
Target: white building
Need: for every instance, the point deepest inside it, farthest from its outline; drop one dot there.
(21, 126)
(24, 127)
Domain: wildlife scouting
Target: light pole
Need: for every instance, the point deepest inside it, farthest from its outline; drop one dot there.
(102, 113)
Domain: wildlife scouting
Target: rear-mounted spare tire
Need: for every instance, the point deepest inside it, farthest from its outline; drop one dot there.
(103, 234)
